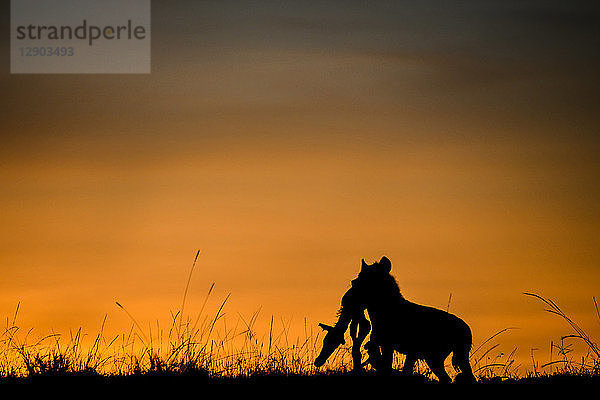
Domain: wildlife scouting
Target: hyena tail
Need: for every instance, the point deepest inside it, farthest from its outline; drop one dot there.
(460, 358)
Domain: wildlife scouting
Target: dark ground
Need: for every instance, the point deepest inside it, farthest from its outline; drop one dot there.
(306, 387)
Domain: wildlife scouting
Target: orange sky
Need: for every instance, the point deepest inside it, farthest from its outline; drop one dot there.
(289, 143)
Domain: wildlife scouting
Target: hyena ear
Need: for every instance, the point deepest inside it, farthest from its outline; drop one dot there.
(363, 264)
(385, 264)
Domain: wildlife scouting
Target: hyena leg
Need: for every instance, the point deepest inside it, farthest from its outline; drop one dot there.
(387, 356)
(356, 356)
(373, 353)
(409, 364)
(460, 361)
(437, 366)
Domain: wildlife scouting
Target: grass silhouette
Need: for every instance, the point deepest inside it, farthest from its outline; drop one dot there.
(198, 348)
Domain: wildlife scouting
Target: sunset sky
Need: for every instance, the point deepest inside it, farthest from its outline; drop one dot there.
(287, 141)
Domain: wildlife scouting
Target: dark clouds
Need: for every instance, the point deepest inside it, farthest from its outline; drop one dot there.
(525, 61)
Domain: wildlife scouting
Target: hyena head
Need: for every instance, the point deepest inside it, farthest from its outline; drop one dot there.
(373, 278)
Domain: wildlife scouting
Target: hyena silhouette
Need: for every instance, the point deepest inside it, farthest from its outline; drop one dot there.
(351, 313)
(419, 332)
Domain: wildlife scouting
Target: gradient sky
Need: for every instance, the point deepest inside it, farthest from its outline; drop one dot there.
(288, 140)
